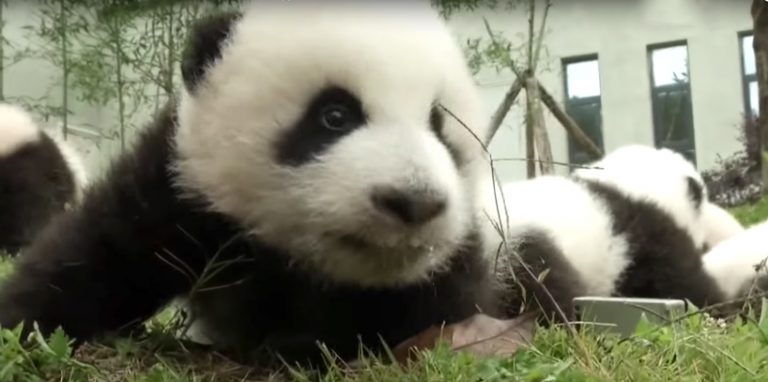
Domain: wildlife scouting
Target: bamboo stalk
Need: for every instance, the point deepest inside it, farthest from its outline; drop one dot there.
(535, 117)
(501, 111)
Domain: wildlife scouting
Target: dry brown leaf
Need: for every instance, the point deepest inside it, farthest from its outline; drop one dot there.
(487, 336)
(480, 335)
(425, 340)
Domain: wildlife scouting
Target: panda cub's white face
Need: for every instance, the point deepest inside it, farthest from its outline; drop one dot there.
(321, 129)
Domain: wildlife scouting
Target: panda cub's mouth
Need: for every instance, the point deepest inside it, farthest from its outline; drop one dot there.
(359, 243)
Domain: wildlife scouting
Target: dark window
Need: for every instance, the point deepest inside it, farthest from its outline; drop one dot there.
(582, 103)
(671, 98)
(749, 74)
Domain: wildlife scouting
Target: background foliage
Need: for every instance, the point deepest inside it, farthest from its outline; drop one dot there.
(120, 55)
(736, 180)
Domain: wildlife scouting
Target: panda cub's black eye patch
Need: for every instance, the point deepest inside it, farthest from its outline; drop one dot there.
(330, 115)
(437, 124)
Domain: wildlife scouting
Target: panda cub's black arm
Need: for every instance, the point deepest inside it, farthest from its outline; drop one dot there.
(115, 261)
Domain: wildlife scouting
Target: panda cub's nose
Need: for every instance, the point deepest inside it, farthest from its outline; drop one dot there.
(412, 207)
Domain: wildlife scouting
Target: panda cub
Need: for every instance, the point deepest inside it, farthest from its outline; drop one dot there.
(40, 176)
(310, 186)
(628, 225)
(719, 225)
(738, 264)
(634, 168)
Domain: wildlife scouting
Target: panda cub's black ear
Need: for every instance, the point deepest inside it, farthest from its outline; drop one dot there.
(203, 46)
(695, 191)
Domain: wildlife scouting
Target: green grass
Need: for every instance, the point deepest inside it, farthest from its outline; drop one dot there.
(751, 214)
(696, 349)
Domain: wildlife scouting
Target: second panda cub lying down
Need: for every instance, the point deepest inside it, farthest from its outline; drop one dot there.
(633, 224)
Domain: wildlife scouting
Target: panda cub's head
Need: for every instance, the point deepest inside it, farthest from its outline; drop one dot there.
(40, 176)
(17, 129)
(340, 133)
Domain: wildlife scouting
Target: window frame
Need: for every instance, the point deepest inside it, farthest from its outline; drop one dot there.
(655, 91)
(746, 79)
(591, 100)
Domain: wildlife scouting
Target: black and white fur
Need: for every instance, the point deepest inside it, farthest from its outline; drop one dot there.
(653, 174)
(629, 225)
(40, 176)
(312, 166)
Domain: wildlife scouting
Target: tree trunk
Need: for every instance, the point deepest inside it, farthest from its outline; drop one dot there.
(759, 13)
(540, 137)
(530, 141)
(64, 68)
(2, 51)
(117, 43)
(171, 51)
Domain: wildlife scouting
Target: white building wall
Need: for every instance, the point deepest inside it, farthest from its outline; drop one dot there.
(619, 32)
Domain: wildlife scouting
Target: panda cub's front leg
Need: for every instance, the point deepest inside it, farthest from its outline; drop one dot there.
(74, 277)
